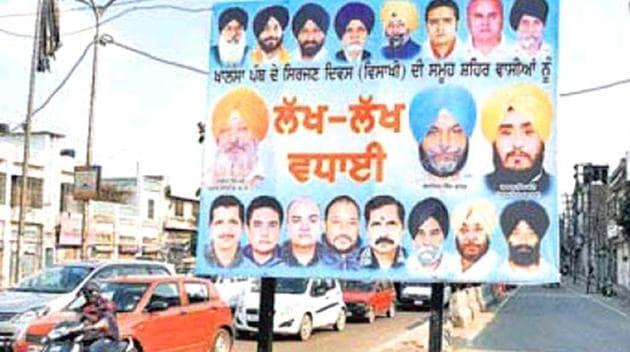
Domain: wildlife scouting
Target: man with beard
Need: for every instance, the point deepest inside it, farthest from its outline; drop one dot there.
(517, 120)
(428, 225)
(353, 24)
(269, 26)
(384, 217)
(231, 49)
(524, 224)
(528, 19)
(342, 243)
(226, 227)
(442, 17)
(239, 123)
(400, 19)
(304, 227)
(310, 25)
(485, 25)
(263, 219)
(442, 119)
(474, 223)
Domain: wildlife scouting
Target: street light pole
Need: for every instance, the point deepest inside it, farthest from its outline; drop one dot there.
(98, 12)
(27, 141)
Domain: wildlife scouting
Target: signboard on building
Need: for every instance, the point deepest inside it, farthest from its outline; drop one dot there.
(70, 229)
(86, 182)
(394, 153)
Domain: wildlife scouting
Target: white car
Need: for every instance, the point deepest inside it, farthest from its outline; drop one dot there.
(232, 288)
(414, 294)
(301, 305)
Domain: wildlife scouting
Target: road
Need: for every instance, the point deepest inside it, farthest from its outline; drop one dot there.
(557, 320)
(356, 337)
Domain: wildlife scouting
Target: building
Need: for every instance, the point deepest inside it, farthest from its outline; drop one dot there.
(619, 240)
(180, 230)
(49, 167)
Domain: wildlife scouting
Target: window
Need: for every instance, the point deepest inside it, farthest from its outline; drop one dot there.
(151, 209)
(179, 207)
(195, 210)
(34, 195)
(157, 270)
(168, 293)
(67, 190)
(196, 292)
(3, 188)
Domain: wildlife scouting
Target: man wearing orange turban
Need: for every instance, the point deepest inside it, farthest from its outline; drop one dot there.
(517, 120)
(239, 123)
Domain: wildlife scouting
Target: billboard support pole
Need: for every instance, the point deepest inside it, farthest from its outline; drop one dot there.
(265, 314)
(437, 313)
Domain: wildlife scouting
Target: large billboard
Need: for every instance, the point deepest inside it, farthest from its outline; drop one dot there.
(408, 140)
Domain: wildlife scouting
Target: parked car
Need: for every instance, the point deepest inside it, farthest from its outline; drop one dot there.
(300, 306)
(159, 313)
(414, 294)
(232, 288)
(366, 300)
(54, 288)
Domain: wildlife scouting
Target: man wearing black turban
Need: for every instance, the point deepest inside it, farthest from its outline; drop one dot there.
(528, 19)
(524, 224)
(269, 26)
(428, 225)
(353, 24)
(310, 25)
(231, 49)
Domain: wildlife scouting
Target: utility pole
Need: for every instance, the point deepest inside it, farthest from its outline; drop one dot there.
(27, 141)
(98, 12)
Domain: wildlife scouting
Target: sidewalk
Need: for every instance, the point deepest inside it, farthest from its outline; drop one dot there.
(620, 301)
(455, 339)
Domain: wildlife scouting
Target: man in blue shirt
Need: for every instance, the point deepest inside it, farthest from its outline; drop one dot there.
(342, 242)
(400, 19)
(263, 221)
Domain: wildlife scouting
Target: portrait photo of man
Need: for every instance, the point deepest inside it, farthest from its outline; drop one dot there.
(442, 20)
(528, 19)
(524, 224)
(304, 229)
(517, 121)
(474, 223)
(384, 218)
(231, 50)
(269, 25)
(400, 20)
(442, 118)
(342, 241)
(239, 124)
(428, 225)
(354, 23)
(485, 26)
(310, 24)
(263, 220)
(226, 227)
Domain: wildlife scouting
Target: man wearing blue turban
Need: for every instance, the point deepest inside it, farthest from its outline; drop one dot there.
(442, 119)
(353, 24)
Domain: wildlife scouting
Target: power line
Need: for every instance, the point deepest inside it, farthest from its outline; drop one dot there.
(73, 9)
(106, 39)
(61, 84)
(596, 88)
(117, 16)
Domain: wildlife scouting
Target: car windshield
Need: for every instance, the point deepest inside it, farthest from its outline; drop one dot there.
(285, 285)
(59, 279)
(124, 295)
(361, 286)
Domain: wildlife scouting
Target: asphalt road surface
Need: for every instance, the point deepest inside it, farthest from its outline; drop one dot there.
(557, 320)
(358, 336)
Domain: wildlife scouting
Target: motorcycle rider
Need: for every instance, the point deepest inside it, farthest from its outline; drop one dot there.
(100, 314)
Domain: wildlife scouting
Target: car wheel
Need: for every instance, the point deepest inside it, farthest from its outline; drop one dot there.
(222, 341)
(340, 324)
(391, 312)
(306, 327)
(370, 315)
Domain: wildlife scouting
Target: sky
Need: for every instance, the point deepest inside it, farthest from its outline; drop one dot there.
(146, 113)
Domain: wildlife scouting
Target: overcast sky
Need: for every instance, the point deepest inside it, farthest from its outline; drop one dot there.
(146, 112)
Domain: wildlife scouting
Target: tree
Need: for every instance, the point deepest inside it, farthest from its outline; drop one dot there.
(624, 218)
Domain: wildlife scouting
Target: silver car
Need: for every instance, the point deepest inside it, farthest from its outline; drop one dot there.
(54, 288)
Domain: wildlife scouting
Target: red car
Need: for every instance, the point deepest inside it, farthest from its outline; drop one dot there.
(366, 300)
(160, 313)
